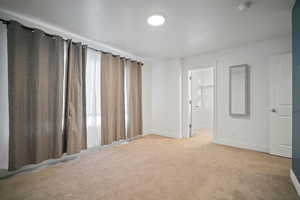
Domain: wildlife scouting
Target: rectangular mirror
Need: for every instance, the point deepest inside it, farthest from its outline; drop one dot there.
(239, 90)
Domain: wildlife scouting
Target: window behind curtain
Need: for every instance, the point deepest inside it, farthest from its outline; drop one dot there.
(93, 98)
(64, 86)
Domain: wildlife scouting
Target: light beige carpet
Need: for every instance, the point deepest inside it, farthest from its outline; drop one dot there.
(154, 168)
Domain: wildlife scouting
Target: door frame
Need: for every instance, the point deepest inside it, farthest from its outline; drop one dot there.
(215, 98)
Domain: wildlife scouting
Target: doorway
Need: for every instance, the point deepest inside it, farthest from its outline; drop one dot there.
(201, 101)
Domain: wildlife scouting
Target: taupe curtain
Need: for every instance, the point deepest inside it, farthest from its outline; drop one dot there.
(112, 99)
(75, 132)
(35, 74)
(134, 125)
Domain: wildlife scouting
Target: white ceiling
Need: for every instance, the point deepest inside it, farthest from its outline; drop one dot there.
(192, 26)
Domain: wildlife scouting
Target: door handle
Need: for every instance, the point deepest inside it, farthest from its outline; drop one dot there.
(273, 110)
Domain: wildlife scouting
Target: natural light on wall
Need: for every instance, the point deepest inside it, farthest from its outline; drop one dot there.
(93, 98)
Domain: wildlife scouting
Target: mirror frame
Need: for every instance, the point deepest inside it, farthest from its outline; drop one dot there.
(247, 91)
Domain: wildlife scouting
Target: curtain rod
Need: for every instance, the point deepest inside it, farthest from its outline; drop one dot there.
(51, 35)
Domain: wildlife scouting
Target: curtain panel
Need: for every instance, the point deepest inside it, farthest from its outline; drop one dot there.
(60, 96)
(75, 129)
(35, 80)
(112, 99)
(133, 91)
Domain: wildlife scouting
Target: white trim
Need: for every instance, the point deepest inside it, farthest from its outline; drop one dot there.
(295, 182)
(215, 123)
(56, 30)
(240, 145)
(180, 98)
(147, 132)
(166, 133)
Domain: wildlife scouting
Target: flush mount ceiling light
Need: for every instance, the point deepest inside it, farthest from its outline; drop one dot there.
(156, 20)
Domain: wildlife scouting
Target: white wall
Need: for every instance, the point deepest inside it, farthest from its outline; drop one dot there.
(251, 132)
(147, 97)
(166, 98)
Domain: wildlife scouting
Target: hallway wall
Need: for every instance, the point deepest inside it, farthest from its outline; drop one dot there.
(166, 98)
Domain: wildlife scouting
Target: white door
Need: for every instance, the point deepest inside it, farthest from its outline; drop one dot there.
(202, 89)
(281, 105)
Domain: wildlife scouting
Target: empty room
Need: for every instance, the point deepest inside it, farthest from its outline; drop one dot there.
(150, 100)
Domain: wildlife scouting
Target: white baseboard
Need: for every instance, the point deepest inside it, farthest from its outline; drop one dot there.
(240, 145)
(147, 132)
(295, 182)
(165, 133)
